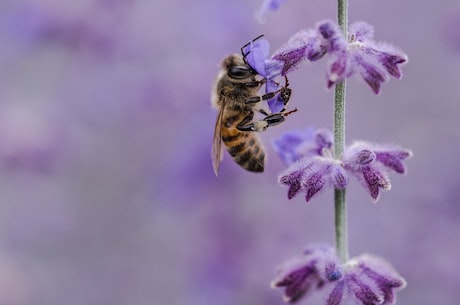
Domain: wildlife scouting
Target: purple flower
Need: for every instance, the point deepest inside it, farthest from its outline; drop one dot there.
(374, 61)
(370, 164)
(294, 145)
(303, 45)
(268, 5)
(365, 279)
(307, 272)
(311, 167)
(368, 280)
(257, 56)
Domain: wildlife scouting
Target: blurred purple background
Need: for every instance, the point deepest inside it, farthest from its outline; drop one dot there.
(107, 189)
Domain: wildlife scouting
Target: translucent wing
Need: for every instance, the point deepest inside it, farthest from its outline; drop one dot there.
(216, 152)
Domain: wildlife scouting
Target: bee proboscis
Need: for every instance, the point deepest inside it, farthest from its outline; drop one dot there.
(235, 96)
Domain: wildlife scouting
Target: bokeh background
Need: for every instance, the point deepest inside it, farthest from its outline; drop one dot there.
(107, 194)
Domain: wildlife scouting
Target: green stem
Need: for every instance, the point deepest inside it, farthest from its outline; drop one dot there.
(342, 15)
(341, 227)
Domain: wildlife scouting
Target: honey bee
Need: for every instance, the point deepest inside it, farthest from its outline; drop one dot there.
(235, 96)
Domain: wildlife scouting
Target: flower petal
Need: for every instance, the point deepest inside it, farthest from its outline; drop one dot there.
(313, 185)
(256, 53)
(340, 177)
(363, 292)
(393, 159)
(383, 275)
(296, 144)
(339, 69)
(332, 36)
(303, 45)
(277, 103)
(273, 68)
(361, 31)
(315, 267)
(292, 178)
(335, 297)
(375, 180)
(371, 70)
(390, 57)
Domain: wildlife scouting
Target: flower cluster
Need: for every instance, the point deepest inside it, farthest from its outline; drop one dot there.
(307, 272)
(374, 61)
(359, 54)
(311, 167)
(365, 279)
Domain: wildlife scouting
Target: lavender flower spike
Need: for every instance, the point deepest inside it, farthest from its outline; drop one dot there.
(359, 53)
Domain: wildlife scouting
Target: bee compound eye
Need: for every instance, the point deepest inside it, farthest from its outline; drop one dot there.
(239, 72)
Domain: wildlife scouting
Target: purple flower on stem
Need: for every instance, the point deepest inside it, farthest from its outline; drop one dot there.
(312, 169)
(365, 279)
(257, 56)
(307, 272)
(374, 61)
(368, 280)
(370, 164)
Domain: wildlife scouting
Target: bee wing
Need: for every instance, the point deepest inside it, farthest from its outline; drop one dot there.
(216, 152)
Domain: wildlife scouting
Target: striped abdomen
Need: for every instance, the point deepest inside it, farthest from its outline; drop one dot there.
(243, 146)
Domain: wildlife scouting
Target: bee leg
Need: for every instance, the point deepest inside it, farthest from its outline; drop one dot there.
(244, 124)
(259, 98)
(264, 112)
(286, 95)
(284, 92)
(269, 120)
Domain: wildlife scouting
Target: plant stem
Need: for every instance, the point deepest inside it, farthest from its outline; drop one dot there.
(342, 15)
(341, 227)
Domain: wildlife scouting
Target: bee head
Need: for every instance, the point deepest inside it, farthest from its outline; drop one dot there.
(237, 68)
